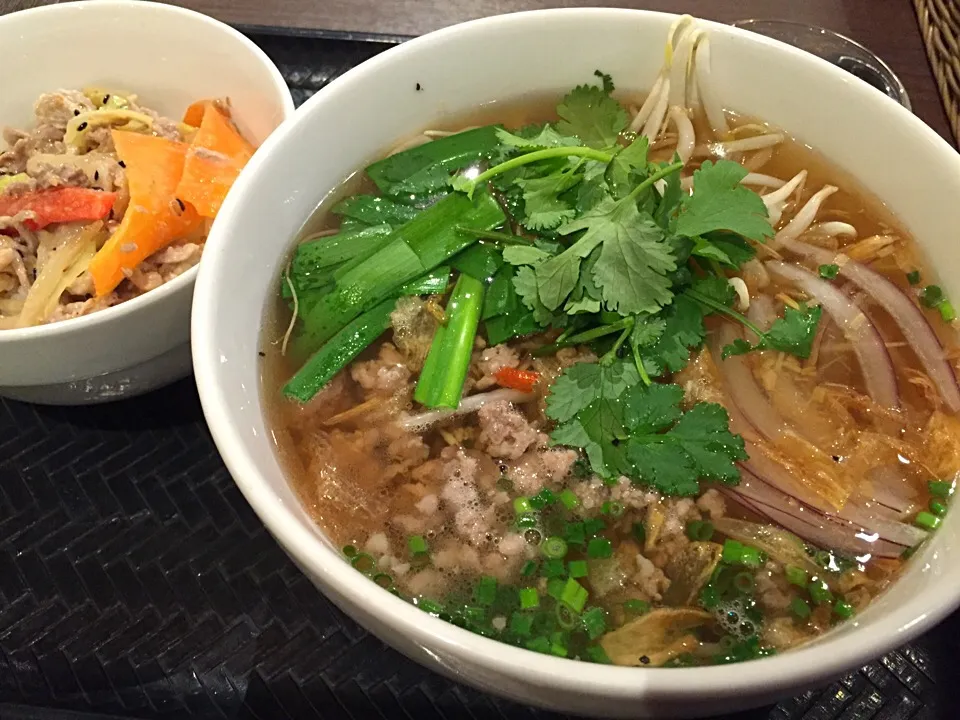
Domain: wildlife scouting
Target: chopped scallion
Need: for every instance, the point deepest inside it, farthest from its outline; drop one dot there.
(612, 508)
(554, 547)
(940, 488)
(927, 521)
(938, 508)
(639, 533)
(597, 654)
(539, 644)
(599, 548)
(417, 544)
(931, 296)
(555, 587)
(594, 622)
(527, 520)
(744, 582)
(592, 526)
(574, 595)
(569, 499)
(521, 624)
(574, 534)
(577, 568)
(350, 550)
(543, 498)
(820, 593)
(429, 606)
(700, 530)
(486, 591)
(843, 609)
(796, 576)
(947, 312)
(364, 562)
(529, 598)
(566, 617)
(522, 505)
(800, 608)
(384, 580)
(913, 277)
(529, 568)
(553, 568)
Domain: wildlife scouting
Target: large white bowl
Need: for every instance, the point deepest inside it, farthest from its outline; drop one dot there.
(898, 158)
(170, 57)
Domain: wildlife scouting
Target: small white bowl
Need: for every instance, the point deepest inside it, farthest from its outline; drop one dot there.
(170, 57)
(896, 156)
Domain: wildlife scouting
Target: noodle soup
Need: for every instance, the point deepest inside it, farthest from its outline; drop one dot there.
(636, 382)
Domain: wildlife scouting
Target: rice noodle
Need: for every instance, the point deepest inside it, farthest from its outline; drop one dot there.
(802, 221)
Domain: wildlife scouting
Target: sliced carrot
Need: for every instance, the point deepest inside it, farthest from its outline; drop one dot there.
(194, 114)
(57, 205)
(215, 158)
(154, 217)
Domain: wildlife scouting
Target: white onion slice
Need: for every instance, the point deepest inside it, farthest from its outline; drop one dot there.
(868, 345)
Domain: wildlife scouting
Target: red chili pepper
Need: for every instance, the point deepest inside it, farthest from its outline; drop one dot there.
(67, 204)
(522, 380)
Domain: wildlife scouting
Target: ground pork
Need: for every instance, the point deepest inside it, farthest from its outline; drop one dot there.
(491, 361)
(712, 504)
(387, 375)
(505, 432)
(538, 468)
(58, 108)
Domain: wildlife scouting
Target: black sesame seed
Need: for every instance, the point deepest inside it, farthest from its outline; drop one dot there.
(76, 112)
(106, 98)
(122, 164)
(419, 87)
(644, 660)
(82, 126)
(96, 174)
(262, 353)
(182, 206)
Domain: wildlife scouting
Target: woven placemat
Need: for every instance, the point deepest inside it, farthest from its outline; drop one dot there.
(940, 27)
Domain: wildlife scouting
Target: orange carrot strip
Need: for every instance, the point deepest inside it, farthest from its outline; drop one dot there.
(154, 217)
(215, 158)
(57, 205)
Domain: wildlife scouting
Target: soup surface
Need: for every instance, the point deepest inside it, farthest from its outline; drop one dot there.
(642, 383)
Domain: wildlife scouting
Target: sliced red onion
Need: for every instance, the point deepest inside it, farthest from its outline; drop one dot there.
(868, 345)
(762, 312)
(905, 313)
(889, 489)
(875, 521)
(743, 388)
(821, 530)
(778, 477)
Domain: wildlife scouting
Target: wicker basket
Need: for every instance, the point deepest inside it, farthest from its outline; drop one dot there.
(940, 25)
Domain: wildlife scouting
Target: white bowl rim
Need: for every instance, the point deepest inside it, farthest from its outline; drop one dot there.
(84, 322)
(797, 668)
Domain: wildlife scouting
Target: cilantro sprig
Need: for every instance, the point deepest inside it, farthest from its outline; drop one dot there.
(628, 428)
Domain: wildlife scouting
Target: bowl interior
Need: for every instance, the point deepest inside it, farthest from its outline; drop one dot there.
(373, 106)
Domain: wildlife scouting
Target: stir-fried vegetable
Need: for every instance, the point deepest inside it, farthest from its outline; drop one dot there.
(214, 160)
(155, 216)
(58, 205)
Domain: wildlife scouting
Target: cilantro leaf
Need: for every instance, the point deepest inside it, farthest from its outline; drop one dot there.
(647, 330)
(672, 450)
(583, 383)
(670, 199)
(624, 164)
(546, 138)
(731, 250)
(525, 283)
(592, 189)
(716, 288)
(542, 205)
(524, 255)
(587, 402)
(794, 332)
(586, 296)
(683, 330)
(720, 202)
(592, 115)
(633, 263)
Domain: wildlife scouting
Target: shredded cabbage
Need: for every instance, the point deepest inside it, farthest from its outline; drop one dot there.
(76, 137)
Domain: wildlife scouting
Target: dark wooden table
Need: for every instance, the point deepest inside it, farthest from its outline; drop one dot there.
(888, 27)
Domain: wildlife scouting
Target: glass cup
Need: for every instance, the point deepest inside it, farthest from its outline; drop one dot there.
(835, 48)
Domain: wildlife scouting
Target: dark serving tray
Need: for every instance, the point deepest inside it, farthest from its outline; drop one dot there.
(136, 582)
